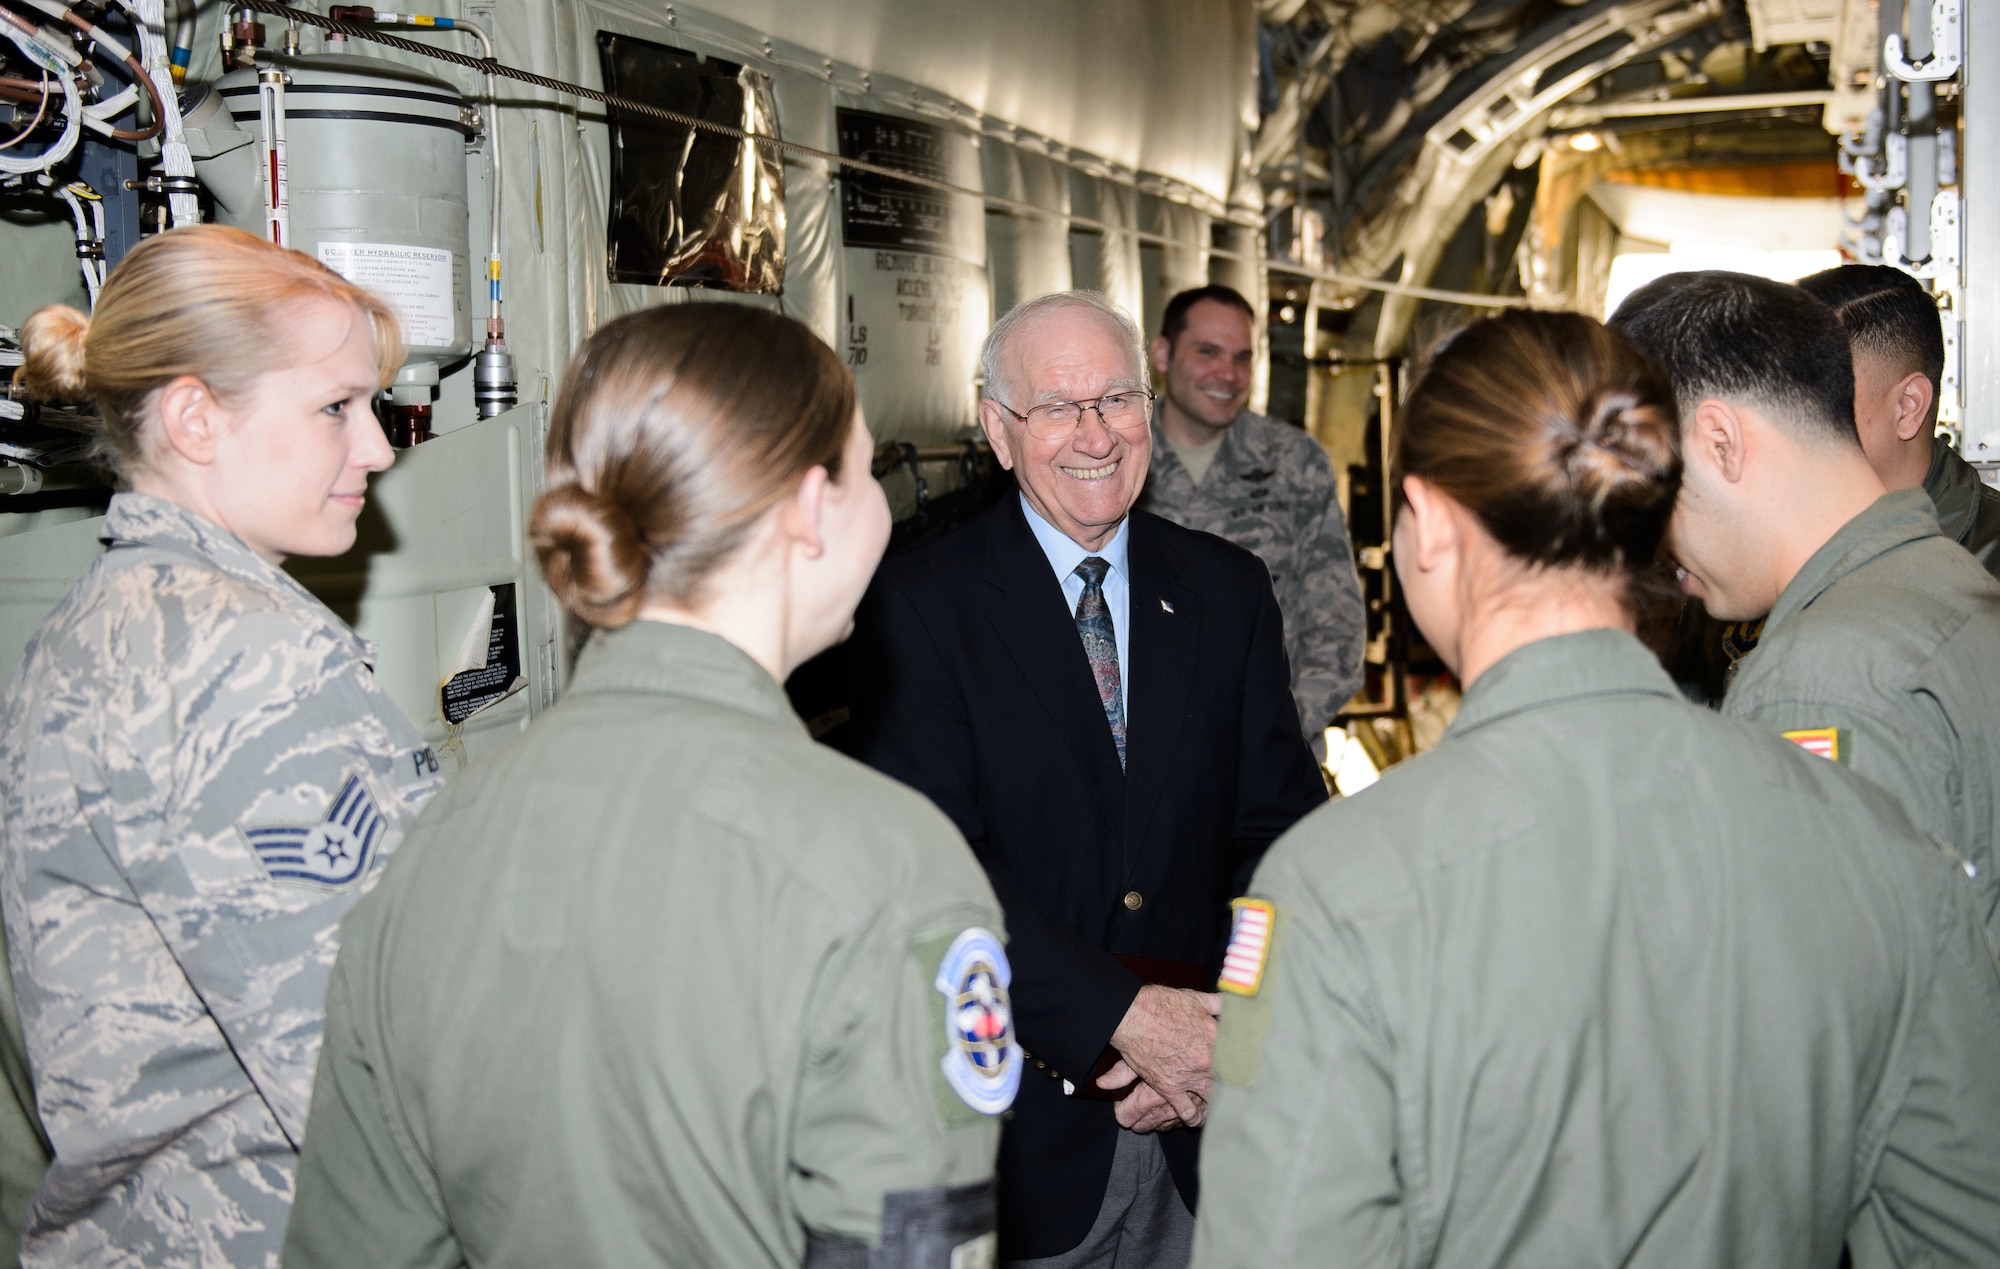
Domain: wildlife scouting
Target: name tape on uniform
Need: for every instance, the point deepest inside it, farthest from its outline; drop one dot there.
(1827, 742)
(982, 1059)
(1249, 945)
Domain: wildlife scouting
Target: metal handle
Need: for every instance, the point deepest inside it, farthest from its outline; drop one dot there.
(1945, 44)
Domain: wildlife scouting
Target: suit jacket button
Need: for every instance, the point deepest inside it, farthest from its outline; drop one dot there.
(1133, 900)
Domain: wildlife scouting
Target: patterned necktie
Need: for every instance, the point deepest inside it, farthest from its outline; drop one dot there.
(1100, 644)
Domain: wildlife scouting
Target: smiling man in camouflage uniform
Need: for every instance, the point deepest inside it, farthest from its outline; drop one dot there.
(1264, 485)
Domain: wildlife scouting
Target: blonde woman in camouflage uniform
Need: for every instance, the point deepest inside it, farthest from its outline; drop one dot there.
(200, 774)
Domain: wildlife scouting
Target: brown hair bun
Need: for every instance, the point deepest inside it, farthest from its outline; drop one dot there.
(591, 554)
(676, 429)
(1556, 432)
(52, 367)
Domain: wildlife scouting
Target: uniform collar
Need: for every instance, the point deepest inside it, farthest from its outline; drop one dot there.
(1903, 516)
(1953, 488)
(1562, 668)
(662, 659)
(144, 520)
(1065, 554)
(137, 519)
(1163, 448)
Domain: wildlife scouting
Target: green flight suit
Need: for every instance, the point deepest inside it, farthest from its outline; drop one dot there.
(1605, 979)
(1968, 509)
(664, 983)
(1884, 653)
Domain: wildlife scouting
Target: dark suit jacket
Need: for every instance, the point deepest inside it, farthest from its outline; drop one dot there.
(971, 685)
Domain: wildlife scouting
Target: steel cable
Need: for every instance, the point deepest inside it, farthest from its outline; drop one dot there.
(489, 66)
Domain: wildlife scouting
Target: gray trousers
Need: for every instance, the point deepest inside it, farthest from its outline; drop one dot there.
(1142, 1223)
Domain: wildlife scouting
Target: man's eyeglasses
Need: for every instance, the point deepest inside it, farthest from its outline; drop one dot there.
(1127, 411)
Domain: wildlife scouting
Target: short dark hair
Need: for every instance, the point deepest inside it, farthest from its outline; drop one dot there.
(1887, 313)
(1556, 432)
(1175, 319)
(1742, 338)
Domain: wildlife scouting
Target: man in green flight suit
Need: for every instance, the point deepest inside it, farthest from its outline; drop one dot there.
(1898, 344)
(1882, 635)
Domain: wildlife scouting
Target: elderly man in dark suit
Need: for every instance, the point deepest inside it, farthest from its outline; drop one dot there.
(1100, 700)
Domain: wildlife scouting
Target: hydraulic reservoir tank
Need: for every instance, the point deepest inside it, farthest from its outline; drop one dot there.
(375, 154)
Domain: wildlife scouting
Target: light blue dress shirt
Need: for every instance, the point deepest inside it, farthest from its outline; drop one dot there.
(1064, 555)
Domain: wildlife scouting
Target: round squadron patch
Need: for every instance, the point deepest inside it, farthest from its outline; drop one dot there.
(982, 1059)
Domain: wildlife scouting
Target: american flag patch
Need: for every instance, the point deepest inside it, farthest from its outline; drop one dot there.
(1824, 741)
(1249, 944)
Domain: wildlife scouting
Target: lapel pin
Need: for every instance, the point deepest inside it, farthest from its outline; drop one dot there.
(1165, 606)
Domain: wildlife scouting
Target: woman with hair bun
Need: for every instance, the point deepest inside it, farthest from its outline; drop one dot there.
(667, 983)
(198, 772)
(1604, 978)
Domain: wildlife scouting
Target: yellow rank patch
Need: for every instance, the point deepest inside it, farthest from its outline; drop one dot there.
(1824, 741)
(1250, 933)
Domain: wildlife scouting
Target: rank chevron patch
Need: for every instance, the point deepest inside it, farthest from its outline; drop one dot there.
(331, 853)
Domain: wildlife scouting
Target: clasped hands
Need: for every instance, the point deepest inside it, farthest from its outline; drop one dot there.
(1164, 1042)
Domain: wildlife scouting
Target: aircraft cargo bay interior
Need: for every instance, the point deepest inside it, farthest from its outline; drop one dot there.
(1368, 175)
(1556, 375)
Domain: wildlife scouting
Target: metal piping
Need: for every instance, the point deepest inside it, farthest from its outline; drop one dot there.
(184, 33)
(272, 164)
(276, 9)
(1580, 116)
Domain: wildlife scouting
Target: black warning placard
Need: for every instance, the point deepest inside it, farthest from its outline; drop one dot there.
(469, 691)
(881, 211)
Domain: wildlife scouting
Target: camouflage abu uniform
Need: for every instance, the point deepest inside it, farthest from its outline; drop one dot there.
(200, 777)
(1271, 491)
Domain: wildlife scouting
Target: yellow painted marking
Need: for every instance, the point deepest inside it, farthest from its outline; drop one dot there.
(1824, 741)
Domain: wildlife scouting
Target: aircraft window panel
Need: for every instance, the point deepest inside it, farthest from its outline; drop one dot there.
(696, 210)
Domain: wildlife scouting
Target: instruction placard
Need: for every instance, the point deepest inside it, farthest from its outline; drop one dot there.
(488, 669)
(913, 275)
(416, 280)
(914, 325)
(880, 211)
